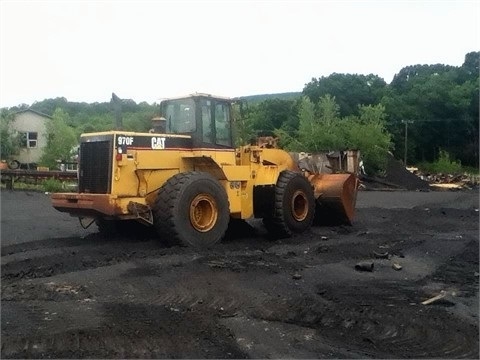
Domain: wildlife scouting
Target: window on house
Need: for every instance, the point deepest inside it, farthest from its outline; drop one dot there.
(28, 139)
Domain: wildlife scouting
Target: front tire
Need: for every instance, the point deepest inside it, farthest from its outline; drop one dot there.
(294, 206)
(191, 209)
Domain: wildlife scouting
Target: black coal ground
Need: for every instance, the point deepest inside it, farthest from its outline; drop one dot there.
(69, 293)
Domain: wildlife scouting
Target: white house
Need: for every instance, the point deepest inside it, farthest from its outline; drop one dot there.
(31, 125)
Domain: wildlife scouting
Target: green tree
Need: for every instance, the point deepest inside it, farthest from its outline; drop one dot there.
(368, 133)
(408, 76)
(95, 117)
(322, 129)
(349, 90)
(60, 139)
(9, 140)
(441, 103)
(242, 125)
(274, 114)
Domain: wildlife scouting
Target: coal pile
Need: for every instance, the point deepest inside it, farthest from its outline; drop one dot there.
(397, 173)
(396, 177)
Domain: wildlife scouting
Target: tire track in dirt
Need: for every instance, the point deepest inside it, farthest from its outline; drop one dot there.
(132, 330)
(413, 332)
(124, 298)
(30, 261)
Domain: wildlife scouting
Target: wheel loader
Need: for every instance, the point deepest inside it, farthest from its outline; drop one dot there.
(186, 179)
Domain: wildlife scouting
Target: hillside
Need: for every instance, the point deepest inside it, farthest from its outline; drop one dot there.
(255, 99)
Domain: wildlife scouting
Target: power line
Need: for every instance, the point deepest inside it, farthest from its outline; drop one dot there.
(432, 120)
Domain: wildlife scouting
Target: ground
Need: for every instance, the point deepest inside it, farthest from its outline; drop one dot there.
(69, 293)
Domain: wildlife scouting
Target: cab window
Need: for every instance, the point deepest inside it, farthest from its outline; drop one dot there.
(207, 133)
(222, 125)
(180, 116)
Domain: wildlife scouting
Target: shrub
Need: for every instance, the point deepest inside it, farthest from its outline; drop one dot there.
(322, 129)
(53, 185)
(443, 165)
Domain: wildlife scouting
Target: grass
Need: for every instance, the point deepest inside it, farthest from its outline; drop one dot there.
(48, 185)
(446, 165)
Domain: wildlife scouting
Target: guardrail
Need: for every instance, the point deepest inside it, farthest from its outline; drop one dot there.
(9, 176)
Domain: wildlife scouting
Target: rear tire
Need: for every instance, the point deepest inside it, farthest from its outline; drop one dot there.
(191, 209)
(294, 207)
(14, 164)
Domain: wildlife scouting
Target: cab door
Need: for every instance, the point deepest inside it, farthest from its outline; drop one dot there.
(215, 123)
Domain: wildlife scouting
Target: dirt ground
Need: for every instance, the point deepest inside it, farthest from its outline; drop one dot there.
(69, 293)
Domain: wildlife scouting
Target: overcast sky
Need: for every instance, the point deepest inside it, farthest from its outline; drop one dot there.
(147, 50)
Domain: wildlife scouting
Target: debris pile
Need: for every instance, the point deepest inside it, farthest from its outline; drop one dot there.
(399, 177)
(448, 181)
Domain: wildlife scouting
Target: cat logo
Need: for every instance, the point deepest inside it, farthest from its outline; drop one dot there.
(158, 143)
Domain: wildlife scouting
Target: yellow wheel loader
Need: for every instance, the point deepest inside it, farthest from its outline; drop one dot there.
(188, 180)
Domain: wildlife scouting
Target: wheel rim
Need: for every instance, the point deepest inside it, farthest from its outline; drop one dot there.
(299, 205)
(203, 212)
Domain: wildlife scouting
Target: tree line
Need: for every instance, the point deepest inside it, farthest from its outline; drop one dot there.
(426, 110)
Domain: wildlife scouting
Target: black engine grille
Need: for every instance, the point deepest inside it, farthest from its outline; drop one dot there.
(95, 167)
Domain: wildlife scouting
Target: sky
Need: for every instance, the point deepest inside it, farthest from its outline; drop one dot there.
(149, 50)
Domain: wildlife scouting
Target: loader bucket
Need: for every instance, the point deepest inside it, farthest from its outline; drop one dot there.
(336, 196)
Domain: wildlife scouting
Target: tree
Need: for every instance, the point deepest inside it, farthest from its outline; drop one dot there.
(441, 104)
(349, 90)
(368, 133)
(242, 125)
(9, 140)
(60, 139)
(470, 67)
(322, 129)
(274, 114)
(410, 75)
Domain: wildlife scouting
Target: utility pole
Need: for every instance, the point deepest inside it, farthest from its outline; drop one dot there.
(406, 122)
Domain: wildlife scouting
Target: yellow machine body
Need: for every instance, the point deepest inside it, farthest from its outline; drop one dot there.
(121, 173)
(139, 173)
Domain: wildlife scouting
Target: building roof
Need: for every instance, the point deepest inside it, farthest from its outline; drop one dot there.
(33, 111)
